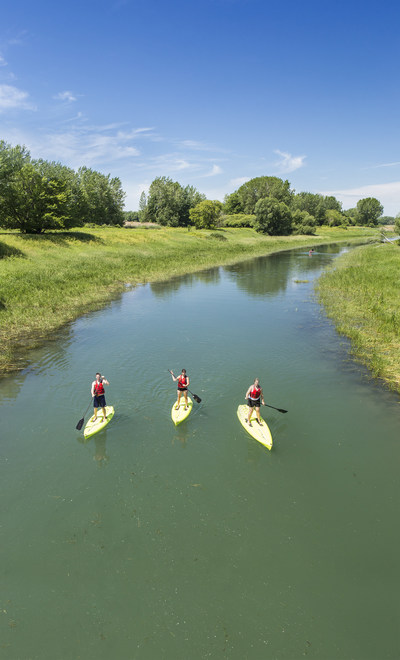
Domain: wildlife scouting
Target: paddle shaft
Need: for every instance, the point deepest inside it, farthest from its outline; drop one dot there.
(279, 409)
(80, 423)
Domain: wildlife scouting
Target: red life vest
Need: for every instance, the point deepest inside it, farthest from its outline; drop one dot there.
(255, 393)
(182, 381)
(99, 388)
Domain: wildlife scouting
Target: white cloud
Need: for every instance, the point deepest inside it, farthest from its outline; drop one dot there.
(395, 164)
(78, 148)
(288, 163)
(216, 169)
(2, 61)
(387, 193)
(65, 96)
(11, 98)
(236, 183)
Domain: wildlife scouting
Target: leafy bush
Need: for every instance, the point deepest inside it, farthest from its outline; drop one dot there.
(238, 220)
(273, 217)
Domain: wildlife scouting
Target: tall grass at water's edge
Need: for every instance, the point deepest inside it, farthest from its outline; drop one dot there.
(361, 293)
(47, 281)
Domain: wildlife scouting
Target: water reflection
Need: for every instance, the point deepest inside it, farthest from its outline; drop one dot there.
(209, 276)
(100, 454)
(269, 275)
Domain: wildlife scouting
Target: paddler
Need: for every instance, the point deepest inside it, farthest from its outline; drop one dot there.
(254, 396)
(98, 394)
(183, 384)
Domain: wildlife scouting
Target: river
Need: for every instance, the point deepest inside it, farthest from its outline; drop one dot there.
(153, 541)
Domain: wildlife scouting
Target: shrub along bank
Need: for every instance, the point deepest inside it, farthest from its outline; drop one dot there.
(48, 280)
(361, 294)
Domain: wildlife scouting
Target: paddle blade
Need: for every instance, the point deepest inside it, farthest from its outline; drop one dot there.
(80, 424)
(281, 410)
(196, 398)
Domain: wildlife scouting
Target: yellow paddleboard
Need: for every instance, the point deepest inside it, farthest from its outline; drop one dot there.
(260, 433)
(179, 415)
(93, 427)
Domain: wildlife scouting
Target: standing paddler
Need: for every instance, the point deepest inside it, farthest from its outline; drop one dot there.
(254, 396)
(98, 394)
(183, 384)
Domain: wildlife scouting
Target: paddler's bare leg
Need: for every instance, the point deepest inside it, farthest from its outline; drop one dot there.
(105, 414)
(249, 414)
(179, 400)
(258, 415)
(94, 413)
(186, 401)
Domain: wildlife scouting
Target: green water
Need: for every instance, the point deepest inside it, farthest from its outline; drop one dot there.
(150, 541)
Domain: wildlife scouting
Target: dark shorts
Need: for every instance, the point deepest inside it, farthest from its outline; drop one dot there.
(99, 401)
(253, 403)
(182, 389)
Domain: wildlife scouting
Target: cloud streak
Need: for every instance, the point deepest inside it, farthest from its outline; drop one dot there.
(288, 163)
(12, 98)
(387, 193)
(65, 96)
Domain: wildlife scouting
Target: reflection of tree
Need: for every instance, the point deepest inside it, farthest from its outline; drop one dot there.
(263, 275)
(208, 276)
(270, 275)
(11, 386)
(54, 351)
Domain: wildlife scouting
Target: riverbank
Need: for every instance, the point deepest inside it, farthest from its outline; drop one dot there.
(361, 295)
(49, 280)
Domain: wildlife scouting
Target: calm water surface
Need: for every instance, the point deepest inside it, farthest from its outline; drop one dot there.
(150, 541)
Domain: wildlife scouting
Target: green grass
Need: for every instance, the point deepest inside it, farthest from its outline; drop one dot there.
(47, 281)
(362, 295)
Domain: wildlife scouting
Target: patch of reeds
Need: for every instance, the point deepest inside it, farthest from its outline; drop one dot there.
(362, 295)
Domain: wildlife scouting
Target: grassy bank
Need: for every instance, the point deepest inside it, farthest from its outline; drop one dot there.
(46, 281)
(362, 295)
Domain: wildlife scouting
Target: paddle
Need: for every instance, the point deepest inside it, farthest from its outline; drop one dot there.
(196, 398)
(279, 409)
(80, 423)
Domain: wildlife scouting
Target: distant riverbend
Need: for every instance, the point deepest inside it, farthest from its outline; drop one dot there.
(48, 280)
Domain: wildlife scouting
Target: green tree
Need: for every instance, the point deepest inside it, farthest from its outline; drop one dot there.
(386, 220)
(12, 160)
(168, 203)
(272, 217)
(131, 216)
(41, 202)
(232, 204)
(69, 179)
(303, 222)
(335, 219)
(101, 198)
(205, 214)
(263, 186)
(369, 210)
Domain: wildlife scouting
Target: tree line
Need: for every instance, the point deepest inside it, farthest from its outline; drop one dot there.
(266, 203)
(37, 195)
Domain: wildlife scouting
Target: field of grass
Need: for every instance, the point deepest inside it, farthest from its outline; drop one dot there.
(362, 295)
(49, 280)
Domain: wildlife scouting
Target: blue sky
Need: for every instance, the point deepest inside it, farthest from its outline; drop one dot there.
(210, 93)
